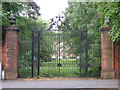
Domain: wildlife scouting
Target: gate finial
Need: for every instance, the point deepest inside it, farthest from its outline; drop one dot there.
(12, 19)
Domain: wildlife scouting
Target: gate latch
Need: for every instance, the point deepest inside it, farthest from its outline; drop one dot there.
(59, 65)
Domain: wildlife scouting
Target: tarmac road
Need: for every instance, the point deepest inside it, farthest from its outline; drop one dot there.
(20, 83)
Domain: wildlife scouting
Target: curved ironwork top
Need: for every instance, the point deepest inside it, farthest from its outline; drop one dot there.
(59, 23)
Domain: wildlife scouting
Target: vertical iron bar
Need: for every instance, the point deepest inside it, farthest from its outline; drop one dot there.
(38, 53)
(86, 51)
(80, 63)
(57, 52)
(59, 55)
(32, 54)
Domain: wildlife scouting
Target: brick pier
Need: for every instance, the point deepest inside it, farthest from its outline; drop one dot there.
(10, 53)
(110, 55)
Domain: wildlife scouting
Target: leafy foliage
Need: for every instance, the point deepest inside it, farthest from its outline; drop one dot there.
(93, 15)
(20, 9)
(110, 11)
(30, 9)
(84, 16)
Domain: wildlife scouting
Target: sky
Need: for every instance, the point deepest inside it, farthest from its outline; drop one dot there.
(51, 8)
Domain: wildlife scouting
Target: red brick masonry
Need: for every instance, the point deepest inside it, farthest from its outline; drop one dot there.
(110, 55)
(117, 59)
(10, 53)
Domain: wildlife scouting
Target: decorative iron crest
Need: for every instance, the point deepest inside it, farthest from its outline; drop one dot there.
(59, 23)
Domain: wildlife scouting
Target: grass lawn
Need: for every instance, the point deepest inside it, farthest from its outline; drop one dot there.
(69, 68)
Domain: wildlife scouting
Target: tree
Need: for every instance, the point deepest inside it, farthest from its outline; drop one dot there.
(110, 11)
(83, 16)
(22, 10)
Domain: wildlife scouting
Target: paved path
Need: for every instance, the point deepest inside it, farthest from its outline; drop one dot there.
(20, 83)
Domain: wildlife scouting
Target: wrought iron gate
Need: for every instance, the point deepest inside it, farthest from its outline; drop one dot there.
(59, 51)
